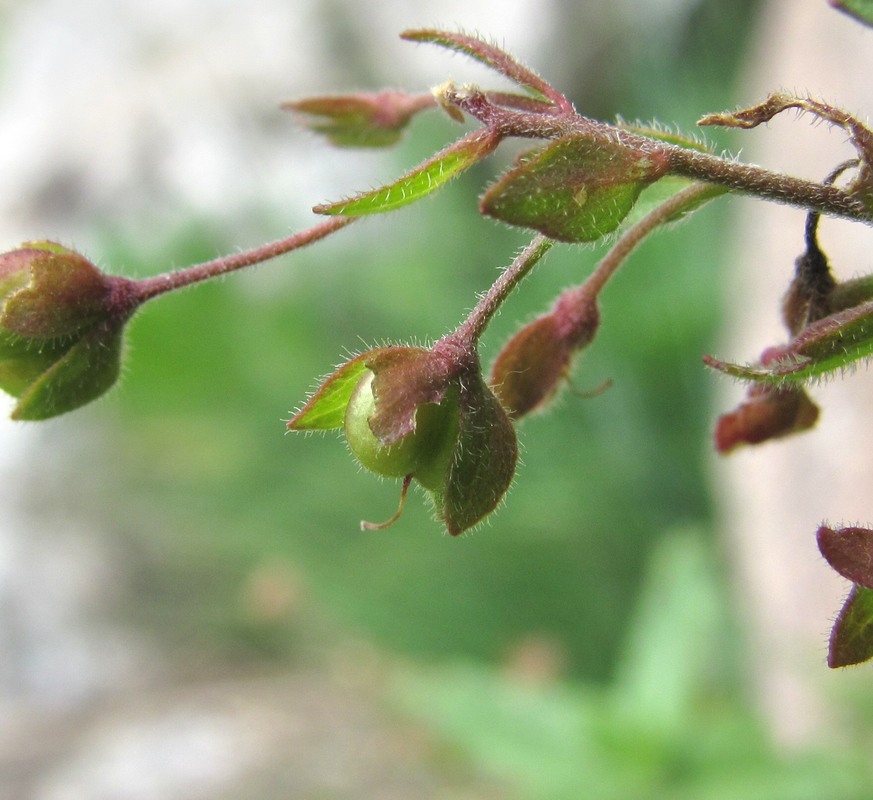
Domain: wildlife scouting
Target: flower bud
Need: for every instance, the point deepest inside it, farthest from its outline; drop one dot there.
(808, 297)
(361, 120)
(767, 413)
(529, 369)
(61, 323)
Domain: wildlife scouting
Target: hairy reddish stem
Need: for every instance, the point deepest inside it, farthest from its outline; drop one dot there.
(736, 176)
(633, 236)
(147, 288)
(474, 326)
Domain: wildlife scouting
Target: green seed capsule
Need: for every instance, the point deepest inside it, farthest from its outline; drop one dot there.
(425, 453)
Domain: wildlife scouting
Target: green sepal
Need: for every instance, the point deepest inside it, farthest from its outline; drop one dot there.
(87, 369)
(574, 189)
(23, 361)
(861, 10)
(424, 179)
(484, 461)
(326, 409)
(851, 640)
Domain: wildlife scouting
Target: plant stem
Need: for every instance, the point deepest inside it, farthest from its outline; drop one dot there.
(474, 326)
(736, 176)
(147, 288)
(763, 183)
(670, 209)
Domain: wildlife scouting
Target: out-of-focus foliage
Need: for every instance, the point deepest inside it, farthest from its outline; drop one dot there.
(212, 484)
(666, 729)
(216, 370)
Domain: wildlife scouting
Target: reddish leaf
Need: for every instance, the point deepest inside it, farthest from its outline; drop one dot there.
(849, 551)
(360, 120)
(767, 413)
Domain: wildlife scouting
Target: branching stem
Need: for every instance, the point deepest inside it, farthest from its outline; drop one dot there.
(738, 177)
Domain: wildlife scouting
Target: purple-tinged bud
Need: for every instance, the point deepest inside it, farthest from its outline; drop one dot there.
(767, 413)
(61, 322)
(531, 366)
(367, 119)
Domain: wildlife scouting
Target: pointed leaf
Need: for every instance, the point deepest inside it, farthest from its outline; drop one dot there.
(657, 131)
(326, 409)
(839, 340)
(423, 180)
(861, 10)
(834, 343)
(575, 189)
(852, 635)
(849, 551)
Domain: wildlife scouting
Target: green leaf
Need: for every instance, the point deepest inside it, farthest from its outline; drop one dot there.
(662, 190)
(657, 131)
(575, 189)
(326, 409)
(861, 10)
(424, 179)
(834, 343)
(852, 635)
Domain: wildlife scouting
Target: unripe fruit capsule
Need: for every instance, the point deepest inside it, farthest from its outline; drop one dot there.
(424, 453)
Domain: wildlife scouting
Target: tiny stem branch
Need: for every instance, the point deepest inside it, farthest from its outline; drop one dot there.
(147, 288)
(474, 326)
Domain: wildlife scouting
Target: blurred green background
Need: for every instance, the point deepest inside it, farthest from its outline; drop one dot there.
(581, 644)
